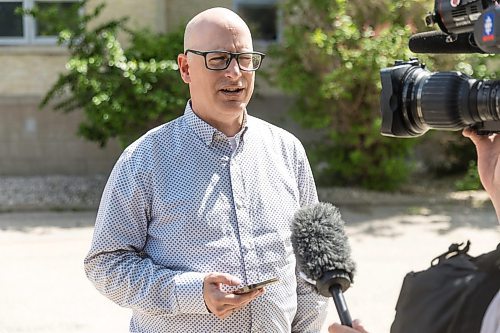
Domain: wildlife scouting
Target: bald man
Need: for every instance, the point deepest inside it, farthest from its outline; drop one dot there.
(202, 205)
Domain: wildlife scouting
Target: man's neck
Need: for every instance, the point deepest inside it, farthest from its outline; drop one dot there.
(230, 127)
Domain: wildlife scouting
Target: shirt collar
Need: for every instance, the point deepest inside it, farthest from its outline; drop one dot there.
(206, 132)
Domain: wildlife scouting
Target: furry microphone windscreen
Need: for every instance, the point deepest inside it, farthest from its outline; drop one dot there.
(320, 242)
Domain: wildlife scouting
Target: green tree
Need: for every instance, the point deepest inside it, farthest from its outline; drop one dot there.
(329, 61)
(122, 91)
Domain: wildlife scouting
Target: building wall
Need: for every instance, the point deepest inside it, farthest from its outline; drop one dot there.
(42, 142)
(142, 14)
(179, 12)
(29, 71)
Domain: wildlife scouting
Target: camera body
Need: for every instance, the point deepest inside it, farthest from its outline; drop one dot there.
(476, 19)
(414, 100)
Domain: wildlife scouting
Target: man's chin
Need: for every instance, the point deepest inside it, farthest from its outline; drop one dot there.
(234, 106)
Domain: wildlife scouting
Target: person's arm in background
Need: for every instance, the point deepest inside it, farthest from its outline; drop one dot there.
(488, 164)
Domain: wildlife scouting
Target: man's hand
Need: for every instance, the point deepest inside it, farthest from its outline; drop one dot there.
(356, 328)
(488, 163)
(223, 304)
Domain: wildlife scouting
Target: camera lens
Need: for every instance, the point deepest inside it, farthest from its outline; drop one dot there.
(415, 100)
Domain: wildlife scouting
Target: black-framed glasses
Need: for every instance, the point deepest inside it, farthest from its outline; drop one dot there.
(220, 60)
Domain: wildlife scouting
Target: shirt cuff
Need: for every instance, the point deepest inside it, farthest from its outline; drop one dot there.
(189, 292)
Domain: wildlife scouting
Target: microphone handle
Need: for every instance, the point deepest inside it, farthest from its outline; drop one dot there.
(341, 305)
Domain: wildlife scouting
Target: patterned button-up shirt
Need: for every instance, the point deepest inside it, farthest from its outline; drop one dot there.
(180, 203)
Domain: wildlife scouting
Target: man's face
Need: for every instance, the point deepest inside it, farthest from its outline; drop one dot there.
(221, 95)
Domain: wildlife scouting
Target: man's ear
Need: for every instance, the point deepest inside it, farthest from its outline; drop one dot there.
(183, 67)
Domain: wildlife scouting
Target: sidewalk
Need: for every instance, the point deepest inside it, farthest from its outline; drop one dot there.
(43, 287)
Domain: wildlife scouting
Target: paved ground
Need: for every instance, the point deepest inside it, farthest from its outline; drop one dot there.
(43, 288)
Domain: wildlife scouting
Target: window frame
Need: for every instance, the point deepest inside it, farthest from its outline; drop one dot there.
(264, 42)
(29, 26)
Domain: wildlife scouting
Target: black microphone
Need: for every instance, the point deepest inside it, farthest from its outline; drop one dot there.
(438, 42)
(323, 253)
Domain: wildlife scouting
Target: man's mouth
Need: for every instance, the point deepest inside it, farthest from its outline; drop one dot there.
(232, 90)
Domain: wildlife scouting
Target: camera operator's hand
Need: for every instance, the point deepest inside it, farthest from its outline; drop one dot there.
(356, 328)
(488, 163)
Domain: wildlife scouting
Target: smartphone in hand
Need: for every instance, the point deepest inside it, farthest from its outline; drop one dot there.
(255, 286)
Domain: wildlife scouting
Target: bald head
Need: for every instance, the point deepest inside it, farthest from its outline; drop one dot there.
(202, 31)
(218, 96)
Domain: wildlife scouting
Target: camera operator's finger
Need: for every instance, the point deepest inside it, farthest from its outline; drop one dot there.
(356, 324)
(356, 328)
(476, 138)
(471, 134)
(480, 141)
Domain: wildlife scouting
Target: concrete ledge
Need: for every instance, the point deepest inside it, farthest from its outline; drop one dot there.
(66, 193)
(352, 196)
(49, 193)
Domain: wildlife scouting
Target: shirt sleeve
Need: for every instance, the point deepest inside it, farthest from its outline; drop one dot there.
(491, 319)
(311, 307)
(116, 263)
(307, 187)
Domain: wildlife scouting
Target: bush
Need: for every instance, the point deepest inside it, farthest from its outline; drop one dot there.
(471, 179)
(122, 92)
(330, 61)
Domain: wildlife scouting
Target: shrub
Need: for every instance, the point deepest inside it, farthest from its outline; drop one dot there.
(122, 92)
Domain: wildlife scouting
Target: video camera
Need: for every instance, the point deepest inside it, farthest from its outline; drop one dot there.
(414, 100)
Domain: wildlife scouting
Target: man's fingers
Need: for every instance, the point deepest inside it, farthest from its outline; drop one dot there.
(216, 278)
(223, 311)
(243, 299)
(223, 304)
(233, 302)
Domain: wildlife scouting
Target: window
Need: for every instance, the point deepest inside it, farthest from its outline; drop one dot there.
(18, 29)
(262, 18)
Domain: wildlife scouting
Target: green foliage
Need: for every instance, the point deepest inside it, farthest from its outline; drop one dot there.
(54, 17)
(330, 61)
(471, 179)
(122, 92)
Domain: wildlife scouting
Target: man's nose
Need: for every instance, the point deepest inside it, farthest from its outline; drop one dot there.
(233, 70)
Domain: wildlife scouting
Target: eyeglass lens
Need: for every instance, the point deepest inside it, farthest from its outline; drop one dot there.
(221, 60)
